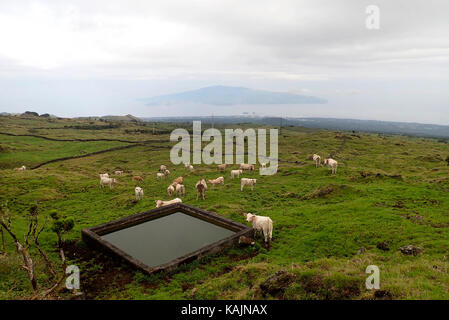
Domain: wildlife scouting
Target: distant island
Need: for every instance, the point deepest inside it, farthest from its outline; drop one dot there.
(225, 95)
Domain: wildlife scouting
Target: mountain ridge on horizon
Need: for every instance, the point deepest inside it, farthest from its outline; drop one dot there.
(220, 95)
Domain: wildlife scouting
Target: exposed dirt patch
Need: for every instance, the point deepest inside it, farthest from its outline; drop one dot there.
(411, 250)
(99, 272)
(379, 175)
(325, 288)
(383, 295)
(323, 192)
(399, 205)
(383, 246)
(276, 284)
(430, 158)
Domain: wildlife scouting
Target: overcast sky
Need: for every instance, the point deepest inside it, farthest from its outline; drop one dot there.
(97, 57)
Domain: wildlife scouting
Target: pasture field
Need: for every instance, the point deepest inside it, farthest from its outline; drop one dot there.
(389, 190)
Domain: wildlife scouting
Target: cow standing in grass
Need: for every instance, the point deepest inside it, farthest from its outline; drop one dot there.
(261, 224)
(317, 159)
(201, 188)
(332, 164)
(107, 181)
(139, 193)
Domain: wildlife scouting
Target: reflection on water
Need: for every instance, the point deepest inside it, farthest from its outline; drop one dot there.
(161, 240)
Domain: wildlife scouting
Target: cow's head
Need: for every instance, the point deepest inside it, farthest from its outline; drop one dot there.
(250, 217)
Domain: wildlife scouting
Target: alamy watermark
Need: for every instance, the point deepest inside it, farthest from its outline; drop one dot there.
(213, 152)
(372, 21)
(72, 282)
(373, 281)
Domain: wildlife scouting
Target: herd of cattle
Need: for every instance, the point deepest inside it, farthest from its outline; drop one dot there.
(260, 223)
(176, 188)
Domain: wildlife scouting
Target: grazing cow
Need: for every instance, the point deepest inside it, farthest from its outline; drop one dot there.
(106, 180)
(160, 203)
(261, 224)
(180, 190)
(22, 168)
(137, 178)
(219, 180)
(221, 167)
(163, 168)
(160, 176)
(247, 182)
(332, 164)
(118, 172)
(246, 166)
(236, 173)
(104, 175)
(317, 160)
(167, 173)
(178, 180)
(263, 165)
(201, 188)
(139, 193)
(170, 190)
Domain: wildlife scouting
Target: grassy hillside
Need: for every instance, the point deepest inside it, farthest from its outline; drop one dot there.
(388, 189)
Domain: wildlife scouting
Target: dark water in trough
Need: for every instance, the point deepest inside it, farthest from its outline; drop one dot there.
(161, 240)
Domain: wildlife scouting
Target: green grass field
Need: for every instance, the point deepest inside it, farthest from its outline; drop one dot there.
(391, 189)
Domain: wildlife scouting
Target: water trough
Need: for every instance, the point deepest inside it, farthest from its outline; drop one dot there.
(164, 238)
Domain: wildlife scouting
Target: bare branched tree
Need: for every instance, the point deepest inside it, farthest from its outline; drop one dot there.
(35, 233)
(3, 242)
(60, 226)
(5, 223)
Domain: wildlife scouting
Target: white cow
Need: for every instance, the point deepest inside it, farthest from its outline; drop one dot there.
(104, 175)
(160, 176)
(236, 173)
(261, 224)
(22, 168)
(160, 203)
(246, 166)
(332, 164)
(108, 181)
(317, 160)
(180, 190)
(163, 168)
(167, 173)
(139, 193)
(219, 180)
(118, 172)
(190, 167)
(247, 182)
(170, 190)
(201, 188)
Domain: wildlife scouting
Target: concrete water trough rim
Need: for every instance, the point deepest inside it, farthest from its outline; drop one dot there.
(93, 236)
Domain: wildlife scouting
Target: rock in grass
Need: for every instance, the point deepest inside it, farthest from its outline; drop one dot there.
(411, 250)
(383, 295)
(246, 241)
(277, 283)
(382, 246)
